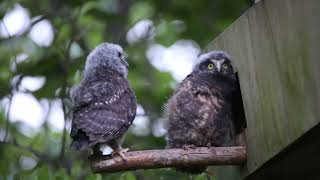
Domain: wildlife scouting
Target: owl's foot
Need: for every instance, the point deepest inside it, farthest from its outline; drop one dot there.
(120, 153)
(189, 146)
(209, 145)
(117, 149)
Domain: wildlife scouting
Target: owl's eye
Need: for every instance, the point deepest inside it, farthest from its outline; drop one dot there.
(119, 54)
(225, 66)
(210, 66)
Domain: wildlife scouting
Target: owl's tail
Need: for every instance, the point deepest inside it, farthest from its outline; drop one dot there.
(79, 141)
(192, 169)
(79, 145)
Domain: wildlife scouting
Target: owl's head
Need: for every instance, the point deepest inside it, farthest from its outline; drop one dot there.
(109, 56)
(216, 63)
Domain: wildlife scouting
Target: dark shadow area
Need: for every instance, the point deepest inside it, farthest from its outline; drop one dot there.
(300, 160)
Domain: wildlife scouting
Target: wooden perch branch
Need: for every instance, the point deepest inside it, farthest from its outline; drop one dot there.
(152, 159)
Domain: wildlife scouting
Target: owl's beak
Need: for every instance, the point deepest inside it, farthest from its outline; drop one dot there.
(218, 67)
(125, 61)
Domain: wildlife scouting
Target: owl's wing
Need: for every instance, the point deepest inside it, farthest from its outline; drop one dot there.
(239, 118)
(105, 112)
(80, 96)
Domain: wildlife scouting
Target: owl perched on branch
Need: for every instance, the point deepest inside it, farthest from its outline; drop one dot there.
(104, 105)
(206, 109)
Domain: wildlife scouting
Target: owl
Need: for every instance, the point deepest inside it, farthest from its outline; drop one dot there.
(104, 105)
(206, 107)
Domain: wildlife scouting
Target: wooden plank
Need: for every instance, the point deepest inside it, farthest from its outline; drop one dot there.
(274, 46)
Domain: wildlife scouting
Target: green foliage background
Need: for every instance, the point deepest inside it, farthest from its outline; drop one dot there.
(89, 23)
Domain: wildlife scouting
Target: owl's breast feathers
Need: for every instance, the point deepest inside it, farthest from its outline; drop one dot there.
(200, 113)
(103, 110)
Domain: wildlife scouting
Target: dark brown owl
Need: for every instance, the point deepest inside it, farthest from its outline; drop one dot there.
(206, 107)
(104, 105)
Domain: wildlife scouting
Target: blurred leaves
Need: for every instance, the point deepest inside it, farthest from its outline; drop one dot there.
(140, 10)
(85, 24)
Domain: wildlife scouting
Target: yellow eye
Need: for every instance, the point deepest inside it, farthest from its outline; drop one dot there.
(210, 66)
(225, 66)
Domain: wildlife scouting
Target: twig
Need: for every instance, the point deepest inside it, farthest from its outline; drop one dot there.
(64, 133)
(12, 87)
(65, 66)
(152, 159)
(7, 120)
(10, 96)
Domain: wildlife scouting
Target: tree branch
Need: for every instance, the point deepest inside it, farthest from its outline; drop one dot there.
(152, 159)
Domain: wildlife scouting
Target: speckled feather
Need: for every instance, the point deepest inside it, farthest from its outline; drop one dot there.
(201, 111)
(104, 105)
(199, 114)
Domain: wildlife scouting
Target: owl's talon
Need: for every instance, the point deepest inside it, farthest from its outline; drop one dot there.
(189, 146)
(120, 153)
(123, 156)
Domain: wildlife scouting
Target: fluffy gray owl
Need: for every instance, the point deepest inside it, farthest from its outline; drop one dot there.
(104, 105)
(206, 109)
